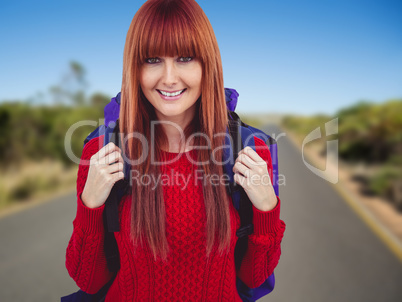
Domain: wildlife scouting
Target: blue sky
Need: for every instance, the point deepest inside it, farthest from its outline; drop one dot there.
(302, 57)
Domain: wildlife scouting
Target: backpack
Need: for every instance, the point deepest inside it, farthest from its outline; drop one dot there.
(239, 132)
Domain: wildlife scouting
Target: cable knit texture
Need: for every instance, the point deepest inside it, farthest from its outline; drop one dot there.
(187, 275)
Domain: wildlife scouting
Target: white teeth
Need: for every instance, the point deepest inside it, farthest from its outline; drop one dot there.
(171, 94)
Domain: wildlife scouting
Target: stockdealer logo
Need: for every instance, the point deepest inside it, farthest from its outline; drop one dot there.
(331, 165)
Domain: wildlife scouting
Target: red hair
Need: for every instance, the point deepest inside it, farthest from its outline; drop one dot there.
(174, 28)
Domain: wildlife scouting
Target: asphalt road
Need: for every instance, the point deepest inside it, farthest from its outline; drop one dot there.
(328, 253)
(32, 252)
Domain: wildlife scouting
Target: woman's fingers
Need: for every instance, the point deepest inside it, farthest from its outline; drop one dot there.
(106, 157)
(106, 168)
(118, 176)
(245, 160)
(240, 180)
(252, 156)
(113, 157)
(239, 167)
(249, 165)
(105, 150)
(115, 167)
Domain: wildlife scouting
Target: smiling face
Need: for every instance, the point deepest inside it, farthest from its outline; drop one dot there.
(172, 85)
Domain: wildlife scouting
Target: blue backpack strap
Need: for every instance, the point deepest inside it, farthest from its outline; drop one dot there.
(231, 96)
(111, 204)
(245, 140)
(112, 110)
(251, 294)
(111, 211)
(96, 133)
(110, 244)
(240, 199)
(247, 134)
(229, 159)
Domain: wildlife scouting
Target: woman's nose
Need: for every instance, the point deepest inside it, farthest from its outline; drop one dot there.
(170, 76)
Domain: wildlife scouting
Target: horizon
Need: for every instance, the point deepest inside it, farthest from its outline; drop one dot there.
(314, 57)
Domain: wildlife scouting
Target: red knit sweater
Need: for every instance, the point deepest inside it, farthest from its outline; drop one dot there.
(187, 275)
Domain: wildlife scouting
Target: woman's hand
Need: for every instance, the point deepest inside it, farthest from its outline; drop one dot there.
(251, 172)
(106, 168)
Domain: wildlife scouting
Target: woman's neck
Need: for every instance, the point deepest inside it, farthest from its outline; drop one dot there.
(174, 131)
(176, 139)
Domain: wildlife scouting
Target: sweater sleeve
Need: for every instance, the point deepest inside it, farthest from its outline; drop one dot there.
(85, 258)
(264, 245)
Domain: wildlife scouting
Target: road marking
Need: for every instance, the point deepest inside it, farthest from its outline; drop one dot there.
(390, 240)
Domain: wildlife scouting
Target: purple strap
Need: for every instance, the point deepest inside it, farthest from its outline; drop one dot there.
(112, 110)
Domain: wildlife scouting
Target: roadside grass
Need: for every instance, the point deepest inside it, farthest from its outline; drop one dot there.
(33, 180)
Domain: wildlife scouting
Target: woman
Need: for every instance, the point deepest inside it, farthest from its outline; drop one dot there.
(177, 228)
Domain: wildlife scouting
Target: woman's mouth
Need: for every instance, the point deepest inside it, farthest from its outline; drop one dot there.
(171, 95)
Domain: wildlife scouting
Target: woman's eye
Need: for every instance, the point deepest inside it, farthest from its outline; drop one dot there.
(185, 59)
(152, 60)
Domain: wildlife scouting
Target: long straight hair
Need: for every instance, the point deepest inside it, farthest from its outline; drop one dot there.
(174, 28)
